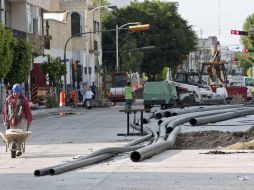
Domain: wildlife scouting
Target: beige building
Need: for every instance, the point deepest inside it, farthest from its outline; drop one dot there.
(49, 35)
(83, 51)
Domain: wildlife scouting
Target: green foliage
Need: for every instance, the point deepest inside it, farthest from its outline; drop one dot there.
(131, 57)
(171, 35)
(51, 101)
(54, 69)
(248, 41)
(6, 51)
(245, 61)
(21, 63)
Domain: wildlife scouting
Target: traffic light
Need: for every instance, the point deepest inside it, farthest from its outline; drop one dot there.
(139, 27)
(239, 32)
(247, 50)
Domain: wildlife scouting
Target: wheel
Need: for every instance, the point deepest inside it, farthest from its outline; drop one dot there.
(163, 107)
(188, 100)
(147, 108)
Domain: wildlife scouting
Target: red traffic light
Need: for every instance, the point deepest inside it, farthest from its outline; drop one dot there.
(239, 32)
(247, 50)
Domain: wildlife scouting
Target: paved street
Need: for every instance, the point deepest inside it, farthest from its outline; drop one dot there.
(57, 139)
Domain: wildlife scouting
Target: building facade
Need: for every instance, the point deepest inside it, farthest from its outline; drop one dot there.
(74, 32)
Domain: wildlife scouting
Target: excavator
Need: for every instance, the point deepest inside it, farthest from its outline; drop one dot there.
(214, 74)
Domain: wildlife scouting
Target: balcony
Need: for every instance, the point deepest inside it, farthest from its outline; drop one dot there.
(17, 1)
(19, 34)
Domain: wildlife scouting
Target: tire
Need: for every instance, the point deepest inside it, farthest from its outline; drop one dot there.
(148, 108)
(163, 107)
(187, 100)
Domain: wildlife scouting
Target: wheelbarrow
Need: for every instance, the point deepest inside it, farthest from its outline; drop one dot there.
(15, 138)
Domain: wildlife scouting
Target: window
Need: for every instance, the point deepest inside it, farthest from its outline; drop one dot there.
(29, 18)
(96, 26)
(95, 45)
(39, 18)
(75, 23)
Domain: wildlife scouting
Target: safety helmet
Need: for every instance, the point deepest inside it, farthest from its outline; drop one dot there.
(17, 88)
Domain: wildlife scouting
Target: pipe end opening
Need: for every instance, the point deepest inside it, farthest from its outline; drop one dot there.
(169, 130)
(145, 121)
(159, 122)
(167, 114)
(37, 173)
(193, 121)
(135, 156)
(158, 116)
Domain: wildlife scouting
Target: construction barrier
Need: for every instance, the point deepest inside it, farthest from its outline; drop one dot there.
(62, 99)
(35, 93)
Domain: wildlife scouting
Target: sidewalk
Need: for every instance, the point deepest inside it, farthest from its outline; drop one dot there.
(38, 110)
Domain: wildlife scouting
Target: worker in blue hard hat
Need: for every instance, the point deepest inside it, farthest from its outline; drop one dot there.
(17, 112)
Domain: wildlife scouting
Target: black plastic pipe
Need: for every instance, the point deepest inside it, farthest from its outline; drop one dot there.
(78, 164)
(220, 117)
(153, 149)
(201, 109)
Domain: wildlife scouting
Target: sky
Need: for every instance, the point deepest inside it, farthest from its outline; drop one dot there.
(217, 17)
(213, 17)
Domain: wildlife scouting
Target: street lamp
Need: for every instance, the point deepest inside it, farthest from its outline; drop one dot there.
(135, 28)
(103, 6)
(117, 30)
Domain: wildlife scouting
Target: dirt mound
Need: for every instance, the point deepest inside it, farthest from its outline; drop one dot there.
(216, 139)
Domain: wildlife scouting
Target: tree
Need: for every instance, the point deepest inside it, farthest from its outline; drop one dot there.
(6, 51)
(169, 33)
(131, 57)
(54, 70)
(21, 63)
(248, 41)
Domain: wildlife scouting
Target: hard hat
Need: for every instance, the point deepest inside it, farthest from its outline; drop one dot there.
(17, 88)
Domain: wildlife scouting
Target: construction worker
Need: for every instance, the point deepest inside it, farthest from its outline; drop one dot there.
(17, 112)
(128, 96)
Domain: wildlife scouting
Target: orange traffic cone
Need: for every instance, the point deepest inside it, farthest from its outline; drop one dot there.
(62, 99)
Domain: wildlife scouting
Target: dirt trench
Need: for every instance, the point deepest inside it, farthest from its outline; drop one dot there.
(216, 139)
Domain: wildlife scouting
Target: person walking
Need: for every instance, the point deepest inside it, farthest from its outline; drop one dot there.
(128, 96)
(94, 90)
(17, 112)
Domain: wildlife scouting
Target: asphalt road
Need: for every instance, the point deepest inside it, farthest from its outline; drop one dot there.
(60, 138)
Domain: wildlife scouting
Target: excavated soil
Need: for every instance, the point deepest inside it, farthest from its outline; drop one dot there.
(216, 140)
